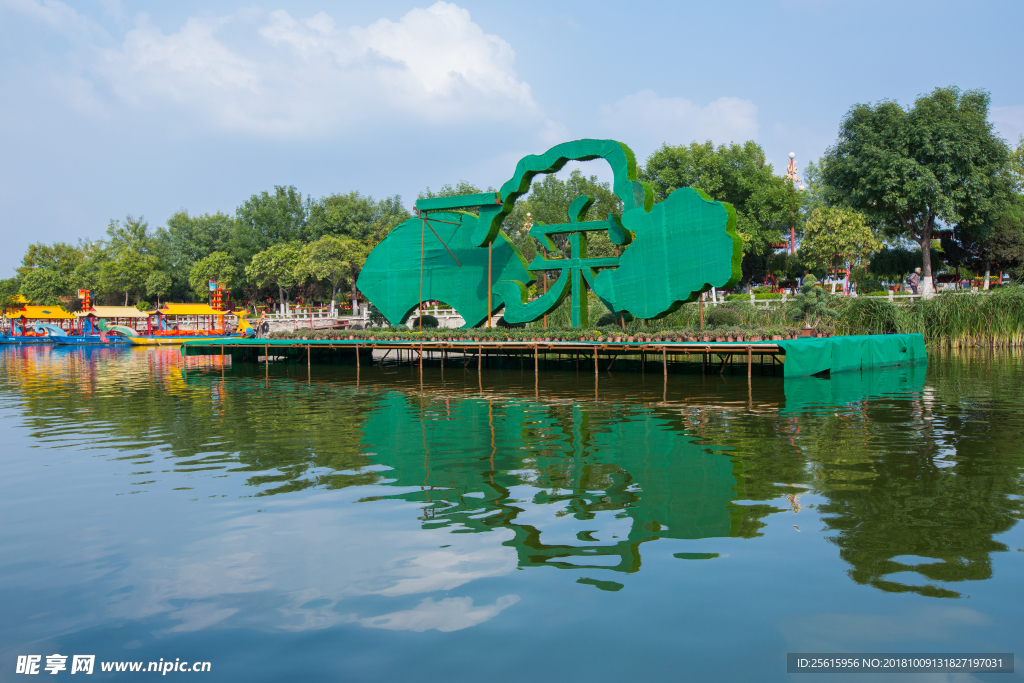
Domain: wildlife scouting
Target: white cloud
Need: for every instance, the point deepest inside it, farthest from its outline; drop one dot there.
(650, 120)
(439, 570)
(55, 14)
(450, 614)
(284, 75)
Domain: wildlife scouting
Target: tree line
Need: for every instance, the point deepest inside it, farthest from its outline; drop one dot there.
(929, 184)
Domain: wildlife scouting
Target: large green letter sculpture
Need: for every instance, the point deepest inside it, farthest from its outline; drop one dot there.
(675, 250)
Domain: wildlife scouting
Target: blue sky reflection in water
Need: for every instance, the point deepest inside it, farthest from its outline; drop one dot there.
(476, 527)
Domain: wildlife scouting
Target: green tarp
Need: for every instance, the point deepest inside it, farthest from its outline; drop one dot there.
(855, 352)
(804, 394)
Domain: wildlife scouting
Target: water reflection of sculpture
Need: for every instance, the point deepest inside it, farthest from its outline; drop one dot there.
(635, 463)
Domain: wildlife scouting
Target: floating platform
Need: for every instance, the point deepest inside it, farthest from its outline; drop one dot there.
(794, 357)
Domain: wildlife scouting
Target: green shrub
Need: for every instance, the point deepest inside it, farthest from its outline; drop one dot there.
(612, 319)
(723, 317)
(428, 321)
(376, 318)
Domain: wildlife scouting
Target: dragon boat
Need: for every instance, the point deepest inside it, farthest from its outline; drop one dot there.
(36, 324)
(178, 323)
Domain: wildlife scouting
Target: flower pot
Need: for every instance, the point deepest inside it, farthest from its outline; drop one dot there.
(755, 338)
(629, 339)
(776, 337)
(719, 339)
(807, 332)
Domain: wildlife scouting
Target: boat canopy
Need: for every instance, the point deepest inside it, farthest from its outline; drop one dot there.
(39, 313)
(115, 312)
(191, 309)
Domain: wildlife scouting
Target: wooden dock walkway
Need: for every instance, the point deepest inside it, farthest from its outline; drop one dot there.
(663, 357)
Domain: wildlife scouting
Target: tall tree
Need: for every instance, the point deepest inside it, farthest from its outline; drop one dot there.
(738, 174)
(265, 220)
(835, 237)
(910, 169)
(448, 190)
(354, 215)
(333, 259)
(44, 286)
(276, 266)
(158, 284)
(188, 239)
(1001, 243)
(1017, 166)
(47, 271)
(894, 264)
(128, 258)
(10, 290)
(217, 266)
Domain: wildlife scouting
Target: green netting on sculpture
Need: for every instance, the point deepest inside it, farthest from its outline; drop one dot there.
(390, 278)
(684, 246)
(674, 250)
(620, 157)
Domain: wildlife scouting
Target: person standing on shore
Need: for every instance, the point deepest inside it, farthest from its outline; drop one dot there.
(914, 280)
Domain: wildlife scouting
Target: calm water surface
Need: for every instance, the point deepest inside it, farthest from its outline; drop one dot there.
(461, 527)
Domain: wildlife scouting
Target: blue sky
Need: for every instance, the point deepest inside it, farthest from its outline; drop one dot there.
(112, 107)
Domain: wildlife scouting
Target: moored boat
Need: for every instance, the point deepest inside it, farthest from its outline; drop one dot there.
(36, 324)
(178, 323)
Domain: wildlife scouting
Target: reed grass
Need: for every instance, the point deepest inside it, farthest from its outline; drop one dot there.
(950, 318)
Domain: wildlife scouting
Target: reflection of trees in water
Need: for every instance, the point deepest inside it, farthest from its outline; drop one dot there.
(912, 491)
(914, 481)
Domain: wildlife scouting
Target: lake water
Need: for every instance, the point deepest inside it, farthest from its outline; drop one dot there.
(287, 524)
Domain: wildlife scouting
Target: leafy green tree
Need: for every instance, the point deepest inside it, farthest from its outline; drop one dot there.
(130, 235)
(894, 264)
(1001, 243)
(158, 284)
(125, 272)
(910, 169)
(217, 266)
(448, 190)
(812, 196)
(125, 260)
(47, 271)
(835, 237)
(59, 257)
(265, 220)
(356, 216)
(188, 239)
(44, 286)
(332, 259)
(276, 266)
(1017, 166)
(738, 174)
